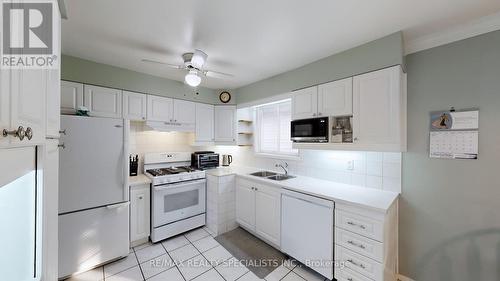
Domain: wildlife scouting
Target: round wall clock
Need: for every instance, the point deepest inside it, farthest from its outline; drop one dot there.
(225, 97)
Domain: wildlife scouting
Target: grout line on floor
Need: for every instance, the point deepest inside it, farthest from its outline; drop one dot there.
(139, 264)
(213, 267)
(175, 263)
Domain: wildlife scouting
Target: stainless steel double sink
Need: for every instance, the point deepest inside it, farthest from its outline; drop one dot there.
(272, 175)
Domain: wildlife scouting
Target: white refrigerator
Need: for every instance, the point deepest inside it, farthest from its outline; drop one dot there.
(93, 193)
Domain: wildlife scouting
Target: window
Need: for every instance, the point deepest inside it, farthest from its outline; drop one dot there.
(273, 129)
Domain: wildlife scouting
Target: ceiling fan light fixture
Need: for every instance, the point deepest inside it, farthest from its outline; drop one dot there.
(198, 59)
(192, 78)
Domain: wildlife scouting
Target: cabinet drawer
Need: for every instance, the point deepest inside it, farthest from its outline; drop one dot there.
(346, 274)
(359, 244)
(362, 225)
(359, 263)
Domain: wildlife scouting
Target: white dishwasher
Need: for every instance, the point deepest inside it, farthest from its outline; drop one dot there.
(307, 230)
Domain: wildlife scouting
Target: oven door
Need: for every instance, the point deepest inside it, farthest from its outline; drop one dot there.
(310, 130)
(173, 202)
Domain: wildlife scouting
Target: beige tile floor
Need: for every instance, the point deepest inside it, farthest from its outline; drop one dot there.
(194, 255)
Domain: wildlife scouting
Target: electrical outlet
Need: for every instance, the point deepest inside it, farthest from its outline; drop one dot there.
(350, 165)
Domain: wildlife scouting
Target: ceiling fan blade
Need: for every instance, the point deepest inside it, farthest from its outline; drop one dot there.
(217, 74)
(198, 59)
(163, 63)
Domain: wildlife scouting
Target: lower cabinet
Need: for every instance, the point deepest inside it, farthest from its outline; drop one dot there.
(139, 213)
(258, 209)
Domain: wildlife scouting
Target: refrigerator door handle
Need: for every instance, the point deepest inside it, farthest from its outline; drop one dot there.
(119, 205)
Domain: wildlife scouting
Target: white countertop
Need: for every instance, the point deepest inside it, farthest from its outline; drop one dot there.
(376, 199)
(140, 179)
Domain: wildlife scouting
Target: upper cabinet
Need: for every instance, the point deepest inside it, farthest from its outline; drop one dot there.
(71, 96)
(204, 131)
(134, 106)
(305, 103)
(379, 109)
(330, 99)
(160, 109)
(184, 112)
(335, 98)
(225, 125)
(103, 102)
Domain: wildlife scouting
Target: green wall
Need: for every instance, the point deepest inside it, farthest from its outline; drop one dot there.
(381, 53)
(85, 71)
(450, 209)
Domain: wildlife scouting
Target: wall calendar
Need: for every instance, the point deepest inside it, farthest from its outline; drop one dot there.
(454, 134)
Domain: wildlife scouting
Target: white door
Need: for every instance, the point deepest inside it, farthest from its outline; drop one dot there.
(335, 98)
(377, 103)
(139, 213)
(53, 103)
(5, 90)
(28, 103)
(50, 208)
(184, 112)
(305, 103)
(160, 109)
(245, 206)
(268, 214)
(134, 106)
(225, 124)
(19, 256)
(82, 236)
(204, 123)
(71, 96)
(103, 102)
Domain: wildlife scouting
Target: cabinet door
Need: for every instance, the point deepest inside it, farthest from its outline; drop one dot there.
(53, 103)
(71, 96)
(134, 106)
(139, 213)
(50, 208)
(28, 103)
(103, 102)
(268, 214)
(225, 124)
(4, 103)
(204, 123)
(305, 103)
(245, 206)
(184, 112)
(160, 109)
(335, 98)
(377, 107)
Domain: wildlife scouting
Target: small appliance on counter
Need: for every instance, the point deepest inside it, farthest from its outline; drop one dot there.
(204, 160)
(227, 159)
(134, 164)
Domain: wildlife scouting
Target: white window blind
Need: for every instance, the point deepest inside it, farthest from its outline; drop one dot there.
(273, 129)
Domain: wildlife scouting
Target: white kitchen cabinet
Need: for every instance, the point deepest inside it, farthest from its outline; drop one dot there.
(268, 213)
(335, 98)
(225, 125)
(160, 109)
(379, 109)
(305, 103)
(53, 103)
(258, 209)
(103, 102)
(184, 112)
(139, 213)
(71, 96)
(204, 131)
(245, 205)
(134, 106)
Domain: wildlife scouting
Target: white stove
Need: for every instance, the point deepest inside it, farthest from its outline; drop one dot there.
(178, 194)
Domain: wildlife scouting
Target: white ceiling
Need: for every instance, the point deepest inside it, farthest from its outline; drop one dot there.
(252, 40)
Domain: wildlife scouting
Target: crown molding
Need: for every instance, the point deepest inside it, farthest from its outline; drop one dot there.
(459, 32)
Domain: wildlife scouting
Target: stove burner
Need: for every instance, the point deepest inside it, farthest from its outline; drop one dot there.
(170, 171)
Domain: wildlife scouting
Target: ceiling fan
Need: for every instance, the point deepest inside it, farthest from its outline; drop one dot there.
(194, 64)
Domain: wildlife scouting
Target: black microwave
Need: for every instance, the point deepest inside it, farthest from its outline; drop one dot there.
(310, 130)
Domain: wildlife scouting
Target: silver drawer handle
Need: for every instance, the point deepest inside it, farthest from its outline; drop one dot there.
(355, 224)
(62, 145)
(62, 132)
(357, 264)
(350, 279)
(29, 133)
(356, 244)
(19, 133)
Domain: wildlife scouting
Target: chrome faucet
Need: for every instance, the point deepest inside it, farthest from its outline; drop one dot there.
(283, 167)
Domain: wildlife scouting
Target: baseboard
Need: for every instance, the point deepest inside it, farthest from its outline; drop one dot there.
(403, 278)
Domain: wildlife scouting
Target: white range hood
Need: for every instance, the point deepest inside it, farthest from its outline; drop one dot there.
(170, 126)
